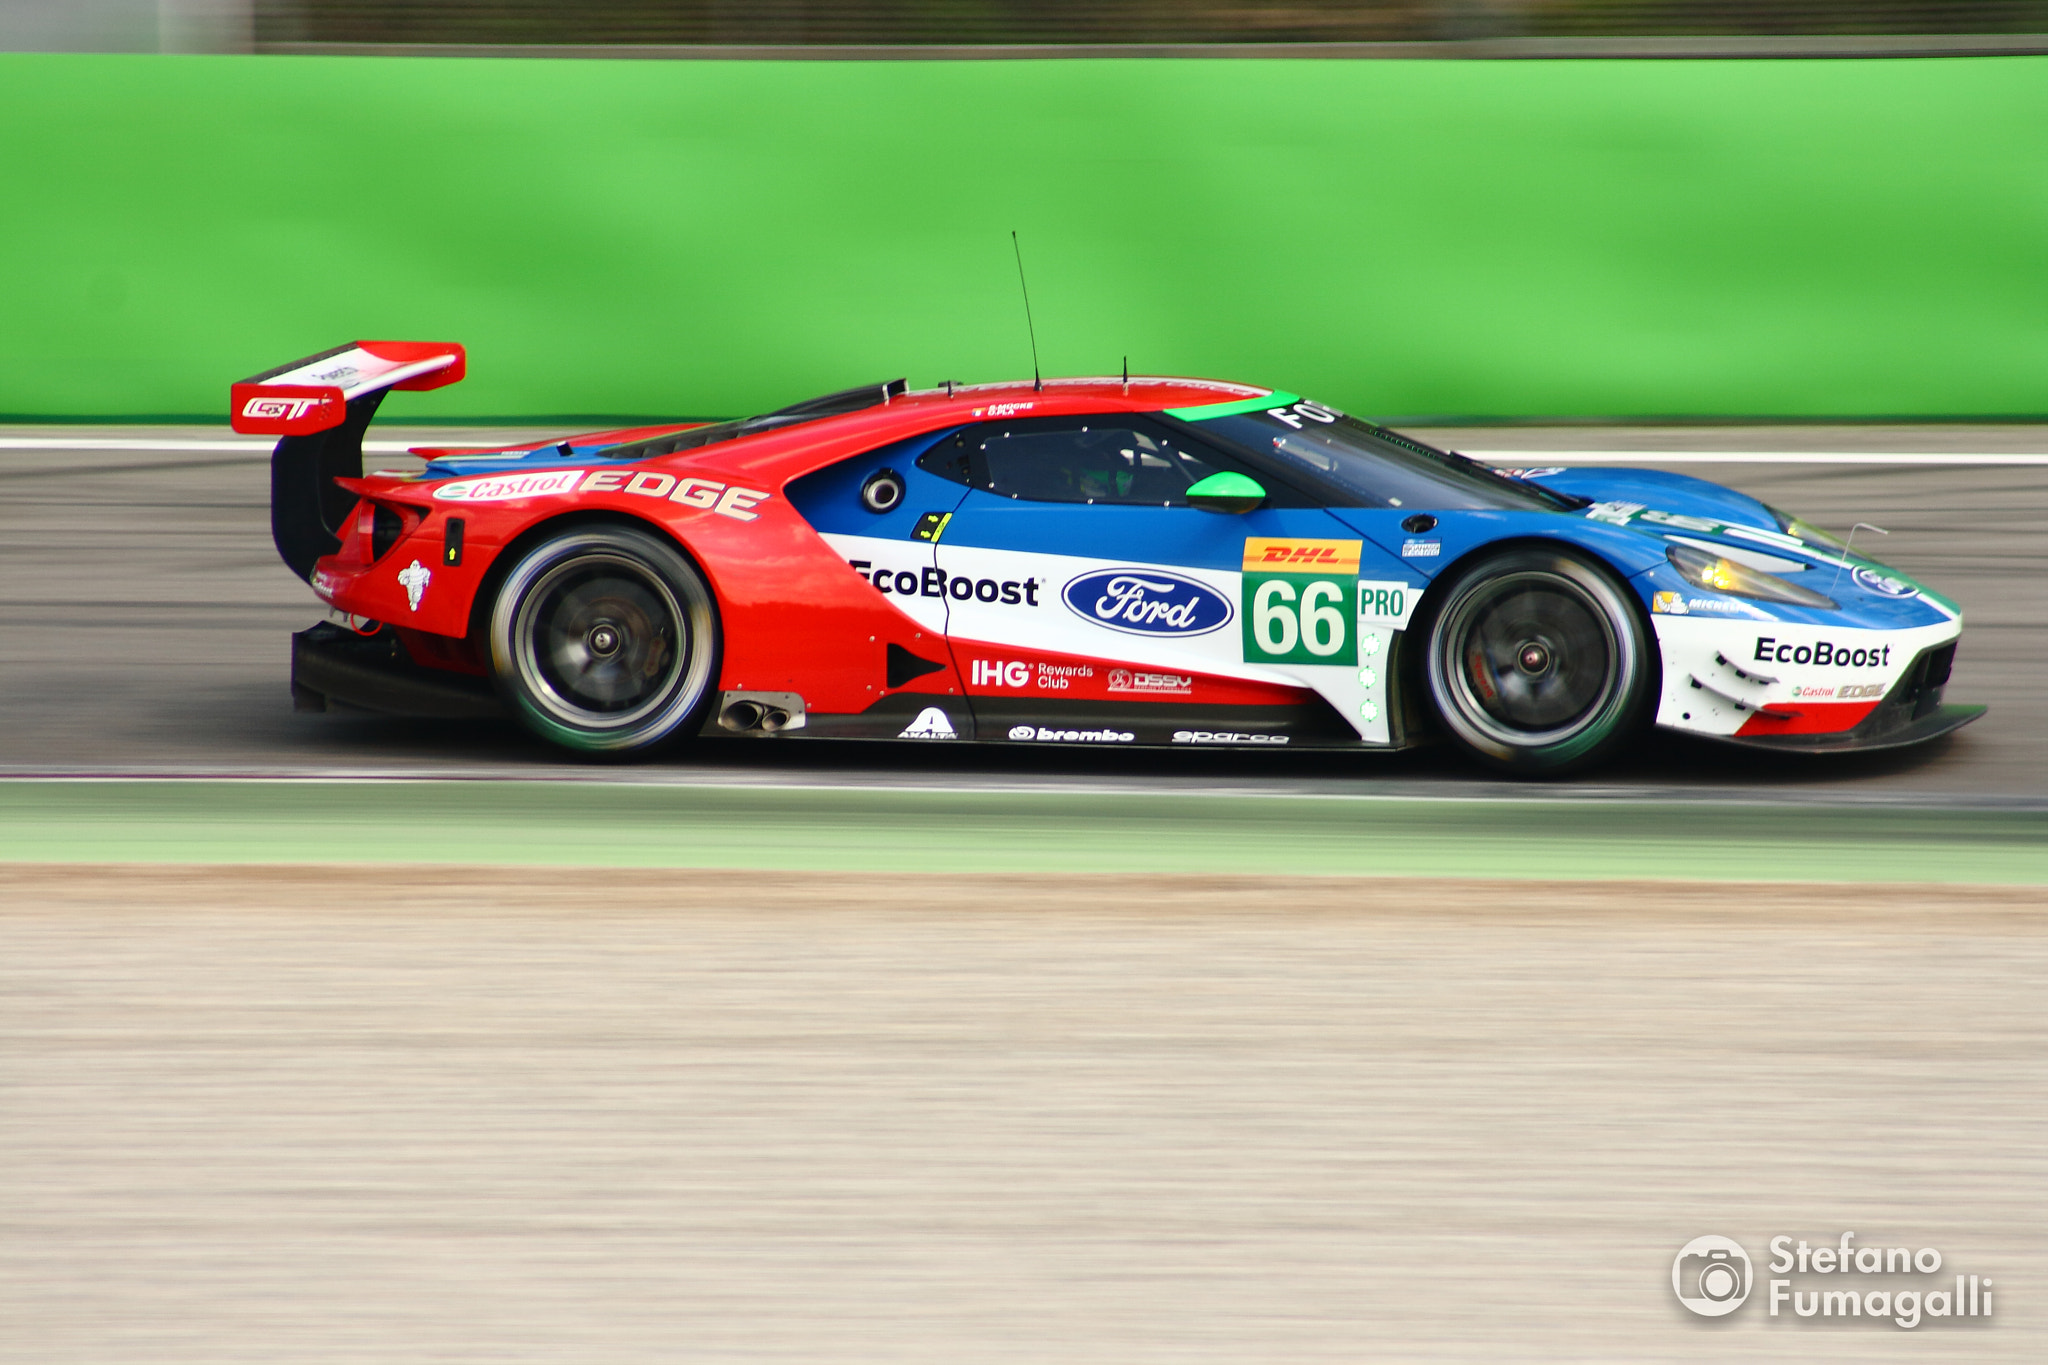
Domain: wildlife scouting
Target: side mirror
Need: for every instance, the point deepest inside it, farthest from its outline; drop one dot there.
(1226, 492)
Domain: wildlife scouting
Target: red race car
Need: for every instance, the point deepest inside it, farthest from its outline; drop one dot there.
(1097, 562)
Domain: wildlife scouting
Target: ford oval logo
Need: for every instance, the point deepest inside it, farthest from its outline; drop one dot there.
(1883, 584)
(1147, 602)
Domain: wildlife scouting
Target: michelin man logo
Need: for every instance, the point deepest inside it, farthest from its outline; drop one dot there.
(931, 723)
(413, 578)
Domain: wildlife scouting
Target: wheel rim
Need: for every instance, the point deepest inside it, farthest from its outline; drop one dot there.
(600, 642)
(1530, 659)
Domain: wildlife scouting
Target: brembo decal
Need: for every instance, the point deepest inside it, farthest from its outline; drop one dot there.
(1147, 602)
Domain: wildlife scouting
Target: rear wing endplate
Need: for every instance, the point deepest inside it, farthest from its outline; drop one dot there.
(320, 406)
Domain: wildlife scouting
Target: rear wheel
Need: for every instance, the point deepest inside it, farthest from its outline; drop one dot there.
(1539, 663)
(604, 639)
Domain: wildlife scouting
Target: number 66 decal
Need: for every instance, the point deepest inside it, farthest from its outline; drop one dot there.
(1300, 601)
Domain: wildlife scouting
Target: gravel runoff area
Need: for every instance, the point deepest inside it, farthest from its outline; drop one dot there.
(364, 1113)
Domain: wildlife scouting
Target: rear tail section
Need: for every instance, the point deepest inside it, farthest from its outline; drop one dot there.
(320, 407)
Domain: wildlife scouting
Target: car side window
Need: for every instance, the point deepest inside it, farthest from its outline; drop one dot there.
(1114, 459)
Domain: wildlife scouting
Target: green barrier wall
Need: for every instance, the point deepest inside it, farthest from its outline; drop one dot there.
(1483, 239)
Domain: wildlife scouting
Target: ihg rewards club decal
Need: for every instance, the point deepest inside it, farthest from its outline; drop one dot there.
(1907, 1287)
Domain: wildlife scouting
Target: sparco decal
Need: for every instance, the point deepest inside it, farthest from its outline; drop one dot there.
(1147, 602)
(926, 581)
(1824, 653)
(1224, 737)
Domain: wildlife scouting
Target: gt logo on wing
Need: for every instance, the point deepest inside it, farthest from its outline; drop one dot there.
(286, 409)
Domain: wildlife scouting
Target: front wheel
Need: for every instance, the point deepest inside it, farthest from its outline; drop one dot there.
(1539, 663)
(604, 639)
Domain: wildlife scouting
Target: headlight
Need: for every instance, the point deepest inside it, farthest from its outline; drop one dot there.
(1724, 575)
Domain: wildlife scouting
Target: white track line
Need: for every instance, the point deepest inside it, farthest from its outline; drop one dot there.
(177, 446)
(1509, 457)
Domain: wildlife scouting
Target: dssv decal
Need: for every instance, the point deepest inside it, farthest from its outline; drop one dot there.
(1147, 602)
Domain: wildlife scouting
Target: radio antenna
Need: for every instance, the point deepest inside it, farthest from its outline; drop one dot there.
(1037, 384)
(1127, 375)
(1851, 545)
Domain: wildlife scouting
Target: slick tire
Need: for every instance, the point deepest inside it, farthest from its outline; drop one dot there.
(1539, 663)
(604, 639)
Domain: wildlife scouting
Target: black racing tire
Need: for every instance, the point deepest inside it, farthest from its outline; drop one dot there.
(1539, 663)
(604, 639)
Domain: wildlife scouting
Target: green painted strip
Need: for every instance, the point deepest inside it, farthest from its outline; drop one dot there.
(767, 828)
(1276, 399)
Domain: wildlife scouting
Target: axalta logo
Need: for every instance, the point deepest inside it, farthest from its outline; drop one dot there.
(1048, 735)
(1147, 602)
(280, 409)
(1224, 737)
(931, 723)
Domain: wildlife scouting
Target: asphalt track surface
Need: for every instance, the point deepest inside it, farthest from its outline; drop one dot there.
(144, 620)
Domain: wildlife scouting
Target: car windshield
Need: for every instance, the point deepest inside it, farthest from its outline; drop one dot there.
(1363, 465)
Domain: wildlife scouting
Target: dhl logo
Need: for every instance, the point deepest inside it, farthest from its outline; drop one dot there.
(1302, 556)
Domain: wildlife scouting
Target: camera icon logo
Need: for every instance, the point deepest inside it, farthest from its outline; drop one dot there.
(1711, 1276)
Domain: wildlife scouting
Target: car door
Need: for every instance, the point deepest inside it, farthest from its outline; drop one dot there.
(1090, 603)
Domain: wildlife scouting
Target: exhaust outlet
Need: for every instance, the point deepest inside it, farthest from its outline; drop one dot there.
(761, 713)
(743, 715)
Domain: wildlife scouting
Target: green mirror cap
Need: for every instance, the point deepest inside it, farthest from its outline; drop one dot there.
(1226, 492)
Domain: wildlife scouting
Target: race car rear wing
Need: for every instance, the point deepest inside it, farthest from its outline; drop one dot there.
(320, 407)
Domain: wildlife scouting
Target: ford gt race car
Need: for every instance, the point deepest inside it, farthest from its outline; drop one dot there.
(1083, 562)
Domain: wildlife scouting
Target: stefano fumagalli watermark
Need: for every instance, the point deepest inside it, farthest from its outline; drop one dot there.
(1712, 1276)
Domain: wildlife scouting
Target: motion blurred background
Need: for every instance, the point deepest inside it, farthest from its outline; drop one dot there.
(283, 25)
